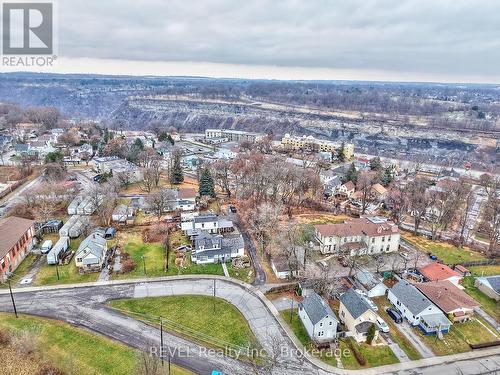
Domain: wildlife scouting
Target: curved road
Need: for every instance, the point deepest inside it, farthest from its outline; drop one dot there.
(85, 305)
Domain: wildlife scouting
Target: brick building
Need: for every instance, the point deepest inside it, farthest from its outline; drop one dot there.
(16, 240)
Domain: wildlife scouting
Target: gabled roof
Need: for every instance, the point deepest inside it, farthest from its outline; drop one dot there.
(379, 189)
(93, 244)
(446, 295)
(317, 308)
(11, 230)
(354, 303)
(411, 297)
(187, 193)
(492, 281)
(349, 185)
(371, 226)
(437, 272)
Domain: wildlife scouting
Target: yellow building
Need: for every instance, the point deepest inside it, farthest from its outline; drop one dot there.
(318, 145)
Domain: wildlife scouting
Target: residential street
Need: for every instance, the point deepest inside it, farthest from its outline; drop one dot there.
(85, 305)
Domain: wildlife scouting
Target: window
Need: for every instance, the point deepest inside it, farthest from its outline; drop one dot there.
(373, 239)
(331, 323)
(321, 324)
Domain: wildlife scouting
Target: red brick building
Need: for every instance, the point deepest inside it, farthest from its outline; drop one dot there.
(16, 240)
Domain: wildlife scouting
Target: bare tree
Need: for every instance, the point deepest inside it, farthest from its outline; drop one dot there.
(415, 191)
(364, 184)
(160, 202)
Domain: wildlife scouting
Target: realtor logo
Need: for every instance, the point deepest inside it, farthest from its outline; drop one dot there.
(27, 28)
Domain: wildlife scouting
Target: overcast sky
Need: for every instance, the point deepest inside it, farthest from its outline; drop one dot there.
(430, 40)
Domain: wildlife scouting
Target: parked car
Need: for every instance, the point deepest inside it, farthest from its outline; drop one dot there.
(382, 326)
(394, 314)
(97, 178)
(404, 256)
(233, 209)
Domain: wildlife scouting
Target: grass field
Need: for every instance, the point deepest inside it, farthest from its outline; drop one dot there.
(488, 304)
(72, 350)
(209, 321)
(396, 335)
(21, 270)
(458, 338)
(485, 270)
(448, 253)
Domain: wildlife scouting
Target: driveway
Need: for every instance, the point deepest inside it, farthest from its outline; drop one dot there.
(260, 274)
(410, 334)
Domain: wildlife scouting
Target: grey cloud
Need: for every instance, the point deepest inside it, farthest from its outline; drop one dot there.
(430, 36)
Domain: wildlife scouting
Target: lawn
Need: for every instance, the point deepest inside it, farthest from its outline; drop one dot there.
(154, 258)
(488, 304)
(448, 253)
(21, 270)
(68, 274)
(243, 274)
(395, 333)
(485, 270)
(73, 350)
(459, 337)
(374, 355)
(207, 320)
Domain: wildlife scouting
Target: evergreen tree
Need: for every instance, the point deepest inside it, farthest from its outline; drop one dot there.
(386, 177)
(341, 153)
(206, 182)
(176, 174)
(370, 335)
(376, 164)
(351, 175)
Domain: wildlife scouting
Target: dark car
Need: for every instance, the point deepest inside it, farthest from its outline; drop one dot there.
(394, 314)
(232, 209)
(97, 178)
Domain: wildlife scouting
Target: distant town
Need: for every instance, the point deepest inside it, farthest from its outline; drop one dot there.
(243, 240)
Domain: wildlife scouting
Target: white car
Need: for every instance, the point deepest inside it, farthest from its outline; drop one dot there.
(382, 326)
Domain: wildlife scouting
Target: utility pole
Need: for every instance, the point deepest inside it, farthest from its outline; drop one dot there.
(12, 297)
(144, 263)
(161, 341)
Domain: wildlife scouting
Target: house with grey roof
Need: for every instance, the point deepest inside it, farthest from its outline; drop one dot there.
(418, 309)
(373, 285)
(357, 315)
(214, 248)
(489, 286)
(91, 253)
(318, 319)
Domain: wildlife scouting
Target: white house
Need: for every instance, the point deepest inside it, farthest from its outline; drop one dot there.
(417, 308)
(91, 253)
(366, 235)
(318, 319)
(374, 286)
(489, 286)
(210, 223)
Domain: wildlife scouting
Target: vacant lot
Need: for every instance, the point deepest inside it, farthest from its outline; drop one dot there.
(73, 350)
(448, 253)
(149, 258)
(485, 270)
(207, 320)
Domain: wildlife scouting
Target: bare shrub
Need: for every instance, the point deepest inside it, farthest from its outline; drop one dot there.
(49, 369)
(5, 338)
(25, 343)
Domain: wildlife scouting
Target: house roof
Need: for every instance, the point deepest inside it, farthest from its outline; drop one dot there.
(349, 185)
(461, 268)
(446, 295)
(93, 244)
(363, 326)
(367, 279)
(411, 297)
(187, 193)
(11, 230)
(437, 272)
(317, 308)
(354, 303)
(379, 189)
(492, 281)
(371, 226)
